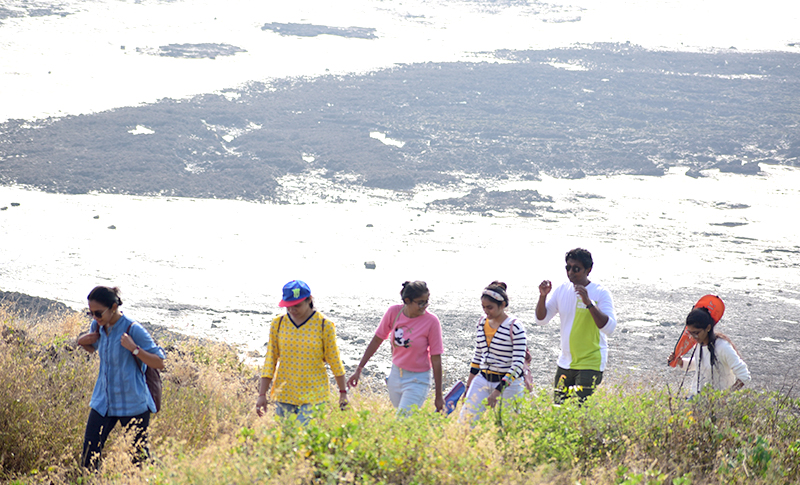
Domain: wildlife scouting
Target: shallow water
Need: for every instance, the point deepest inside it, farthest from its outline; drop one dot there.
(100, 55)
(214, 268)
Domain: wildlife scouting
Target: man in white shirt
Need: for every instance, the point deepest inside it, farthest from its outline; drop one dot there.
(587, 318)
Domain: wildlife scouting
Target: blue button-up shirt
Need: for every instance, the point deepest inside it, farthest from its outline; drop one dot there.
(121, 389)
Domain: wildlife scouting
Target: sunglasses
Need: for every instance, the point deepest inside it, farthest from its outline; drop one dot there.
(421, 303)
(573, 268)
(96, 314)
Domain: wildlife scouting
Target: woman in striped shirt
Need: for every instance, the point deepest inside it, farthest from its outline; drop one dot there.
(500, 343)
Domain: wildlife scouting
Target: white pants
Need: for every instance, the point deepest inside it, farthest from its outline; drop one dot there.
(480, 389)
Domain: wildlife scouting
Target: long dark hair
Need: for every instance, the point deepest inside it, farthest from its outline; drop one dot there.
(701, 318)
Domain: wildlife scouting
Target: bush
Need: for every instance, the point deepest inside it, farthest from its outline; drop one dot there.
(207, 431)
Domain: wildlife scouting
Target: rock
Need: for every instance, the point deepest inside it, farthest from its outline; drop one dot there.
(112, 226)
(369, 264)
(728, 224)
(694, 173)
(33, 306)
(96, 217)
(748, 168)
(15, 204)
(311, 30)
(3, 208)
(575, 174)
(369, 225)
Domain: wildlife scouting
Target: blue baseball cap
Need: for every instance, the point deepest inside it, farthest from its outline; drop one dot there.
(294, 292)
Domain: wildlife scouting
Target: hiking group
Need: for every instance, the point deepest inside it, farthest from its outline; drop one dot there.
(303, 341)
(302, 346)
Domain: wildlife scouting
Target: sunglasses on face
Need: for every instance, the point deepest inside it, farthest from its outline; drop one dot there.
(574, 268)
(421, 303)
(96, 314)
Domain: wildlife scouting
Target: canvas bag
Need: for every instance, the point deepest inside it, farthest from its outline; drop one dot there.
(151, 376)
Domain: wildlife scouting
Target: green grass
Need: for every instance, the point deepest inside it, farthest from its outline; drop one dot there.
(208, 432)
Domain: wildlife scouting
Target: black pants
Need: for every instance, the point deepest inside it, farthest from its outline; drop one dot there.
(99, 427)
(585, 380)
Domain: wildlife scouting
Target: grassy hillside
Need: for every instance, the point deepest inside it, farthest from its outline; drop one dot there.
(208, 432)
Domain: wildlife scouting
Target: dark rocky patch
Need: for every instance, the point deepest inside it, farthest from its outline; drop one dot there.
(792, 251)
(481, 200)
(32, 306)
(194, 51)
(311, 30)
(749, 168)
(694, 173)
(728, 205)
(630, 112)
(728, 224)
(32, 9)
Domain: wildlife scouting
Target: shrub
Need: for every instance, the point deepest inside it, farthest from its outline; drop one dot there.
(207, 431)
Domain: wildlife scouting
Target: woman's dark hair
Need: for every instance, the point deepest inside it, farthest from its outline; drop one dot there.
(582, 255)
(413, 289)
(105, 295)
(701, 318)
(500, 288)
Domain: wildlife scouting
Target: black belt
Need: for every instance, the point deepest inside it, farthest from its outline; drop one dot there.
(491, 377)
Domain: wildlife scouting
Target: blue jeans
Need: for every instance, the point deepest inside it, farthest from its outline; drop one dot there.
(304, 412)
(408, 389)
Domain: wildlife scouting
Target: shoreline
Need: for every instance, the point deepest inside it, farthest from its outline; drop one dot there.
(631, 352)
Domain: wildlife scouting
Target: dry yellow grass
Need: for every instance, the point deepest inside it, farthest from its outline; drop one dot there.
(208, 432)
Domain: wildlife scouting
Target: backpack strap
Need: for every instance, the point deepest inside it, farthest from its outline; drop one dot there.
(139, 362)
(394, 327)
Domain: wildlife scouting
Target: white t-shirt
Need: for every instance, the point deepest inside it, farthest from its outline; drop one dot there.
(583, 345)
(728, 368)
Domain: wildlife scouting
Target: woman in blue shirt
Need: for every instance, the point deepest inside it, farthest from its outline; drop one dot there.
(120, 393)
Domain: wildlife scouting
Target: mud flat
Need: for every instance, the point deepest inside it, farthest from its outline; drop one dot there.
(311, 30)
(193, 51)
(569, 113)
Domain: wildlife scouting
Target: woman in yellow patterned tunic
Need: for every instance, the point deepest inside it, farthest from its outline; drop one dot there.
(303, 340)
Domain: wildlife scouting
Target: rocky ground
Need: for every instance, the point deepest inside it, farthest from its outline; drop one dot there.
(599, 109)
(765, 329)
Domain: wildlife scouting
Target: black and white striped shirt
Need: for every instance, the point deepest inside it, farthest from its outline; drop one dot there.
(506, 354)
